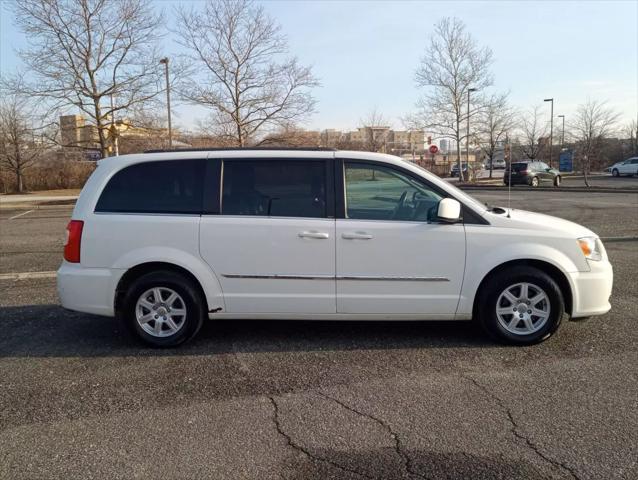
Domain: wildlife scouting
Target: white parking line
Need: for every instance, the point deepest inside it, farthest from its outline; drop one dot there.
(26, 275)
(20, 214)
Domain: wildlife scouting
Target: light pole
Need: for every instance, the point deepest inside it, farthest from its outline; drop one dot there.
(467, 140)
(168, 102)
(562, 135)
(551, 130)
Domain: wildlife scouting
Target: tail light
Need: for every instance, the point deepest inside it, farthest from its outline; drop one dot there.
(73, 241)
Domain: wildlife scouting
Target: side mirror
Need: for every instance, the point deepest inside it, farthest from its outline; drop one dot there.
(449, 210)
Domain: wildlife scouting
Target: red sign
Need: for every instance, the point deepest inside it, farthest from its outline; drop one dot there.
(433, 149)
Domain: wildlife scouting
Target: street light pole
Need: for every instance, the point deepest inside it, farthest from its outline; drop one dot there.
(562, 135)
(168, 102)
(551, 130)
(467, 140)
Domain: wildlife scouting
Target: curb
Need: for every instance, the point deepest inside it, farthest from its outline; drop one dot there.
(503, 188)
(619, 239)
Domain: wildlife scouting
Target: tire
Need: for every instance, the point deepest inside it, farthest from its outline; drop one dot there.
(493, 306)
(534, 182)
(171, 328)
(615, 173)
(557, 181)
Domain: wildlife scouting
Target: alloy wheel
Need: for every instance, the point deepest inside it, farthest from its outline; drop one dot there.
(523, 308)
(160, 312)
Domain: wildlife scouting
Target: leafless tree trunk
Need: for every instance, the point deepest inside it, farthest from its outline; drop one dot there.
(22, 141)
(591, 124)
(241, 70)
(453, 64)
(494, 121)
(82, 52)
(532, 129)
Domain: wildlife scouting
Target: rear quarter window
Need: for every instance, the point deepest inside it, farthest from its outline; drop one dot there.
(170, 187)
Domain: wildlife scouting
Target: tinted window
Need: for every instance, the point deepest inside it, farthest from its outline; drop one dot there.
(173, 186)
(517, 167)
(277, 188)
(380, 193)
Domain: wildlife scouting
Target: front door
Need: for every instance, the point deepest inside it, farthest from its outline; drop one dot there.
(392, 255)
(273, 246)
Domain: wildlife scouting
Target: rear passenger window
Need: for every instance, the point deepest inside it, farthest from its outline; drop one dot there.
(277, 188)
(173, 186)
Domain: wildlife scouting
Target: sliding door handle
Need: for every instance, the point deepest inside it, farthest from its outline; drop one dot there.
(356, 236)
(319, 235)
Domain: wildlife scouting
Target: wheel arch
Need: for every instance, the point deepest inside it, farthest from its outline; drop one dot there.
(552, 270)
(141, 269)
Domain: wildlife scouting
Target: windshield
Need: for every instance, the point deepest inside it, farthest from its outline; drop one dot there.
(457, 192)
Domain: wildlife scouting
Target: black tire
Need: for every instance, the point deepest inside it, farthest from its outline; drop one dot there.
(557, 180)
(499, 282)
(192, 298)
(615, 173)
(534, 182)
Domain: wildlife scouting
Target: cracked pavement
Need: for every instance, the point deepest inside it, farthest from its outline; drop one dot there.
(316, 400)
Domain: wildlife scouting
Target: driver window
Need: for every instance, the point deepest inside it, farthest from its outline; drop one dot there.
(380, 193)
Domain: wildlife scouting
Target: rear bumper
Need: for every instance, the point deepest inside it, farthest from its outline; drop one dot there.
(516, 180)
(89, 290)
(592, 289)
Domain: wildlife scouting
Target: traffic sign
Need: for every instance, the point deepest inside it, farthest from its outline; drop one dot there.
(433, 149)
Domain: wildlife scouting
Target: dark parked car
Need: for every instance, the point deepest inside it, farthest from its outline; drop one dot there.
(532, 173)
(455, 170)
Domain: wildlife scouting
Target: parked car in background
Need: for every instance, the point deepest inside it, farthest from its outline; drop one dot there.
(626, 167)
(532, 173)
(497, 164)
(167, 240)
(454, 171)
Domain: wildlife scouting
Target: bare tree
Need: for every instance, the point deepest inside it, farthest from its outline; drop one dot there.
(243, 73)
(495, 120)
(452, 65)
(375, 129)
(593, 122)
(22, 141)
(96, 55)
(292, 136)
(532, 129)
(631, 131)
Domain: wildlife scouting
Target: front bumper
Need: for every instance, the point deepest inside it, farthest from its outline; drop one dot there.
(591, 290)
(89, 290)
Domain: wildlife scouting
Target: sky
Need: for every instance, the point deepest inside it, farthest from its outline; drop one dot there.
(365, 53)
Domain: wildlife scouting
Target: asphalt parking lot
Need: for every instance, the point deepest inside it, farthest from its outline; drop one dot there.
(316, 400)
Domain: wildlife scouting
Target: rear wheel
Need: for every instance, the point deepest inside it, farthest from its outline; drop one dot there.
(534, 182)
(521, 306)
(164, 308)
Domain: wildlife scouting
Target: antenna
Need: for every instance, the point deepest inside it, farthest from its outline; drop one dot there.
(509, 182)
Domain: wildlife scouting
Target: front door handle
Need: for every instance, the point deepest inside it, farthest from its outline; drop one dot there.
(356, 236)
(319, 235)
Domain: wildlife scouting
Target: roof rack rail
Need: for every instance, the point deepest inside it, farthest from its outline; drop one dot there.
(217, 149)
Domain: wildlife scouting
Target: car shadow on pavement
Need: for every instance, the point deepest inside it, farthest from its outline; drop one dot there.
(398, 463)
(51, 331)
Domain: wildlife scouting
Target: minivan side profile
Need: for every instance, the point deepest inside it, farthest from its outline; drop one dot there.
(167, 240)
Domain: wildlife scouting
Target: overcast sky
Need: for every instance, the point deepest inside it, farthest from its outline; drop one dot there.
(365, 53)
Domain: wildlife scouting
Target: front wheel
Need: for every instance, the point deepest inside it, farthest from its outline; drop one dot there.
(521, 306)
(615, 172)
(163, 308)
(557, 181)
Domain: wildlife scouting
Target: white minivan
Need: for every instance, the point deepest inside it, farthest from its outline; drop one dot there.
(166, 240)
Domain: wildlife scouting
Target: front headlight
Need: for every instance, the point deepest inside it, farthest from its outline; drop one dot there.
(591, 248)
